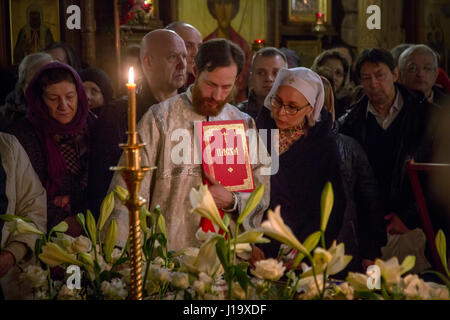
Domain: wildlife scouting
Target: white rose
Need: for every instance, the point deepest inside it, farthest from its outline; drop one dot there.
(81, 244)
(199, 287)
(414, 287)
(346, 290)
(438, 292)
(67, 294)
(180, 280)
(307, 287)
(159, 274)
(269, 269)
(114, 290)
(36, 276)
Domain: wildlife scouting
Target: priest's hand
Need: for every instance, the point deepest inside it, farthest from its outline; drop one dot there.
(395, 225)
(222, 197)
(7, 261)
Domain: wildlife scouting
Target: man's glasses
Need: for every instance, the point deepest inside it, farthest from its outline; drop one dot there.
(291, 110)
(413, 68)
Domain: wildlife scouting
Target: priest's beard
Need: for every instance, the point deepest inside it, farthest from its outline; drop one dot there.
(203, 105)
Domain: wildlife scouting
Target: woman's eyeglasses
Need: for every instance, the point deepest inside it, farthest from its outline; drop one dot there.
(277, 104)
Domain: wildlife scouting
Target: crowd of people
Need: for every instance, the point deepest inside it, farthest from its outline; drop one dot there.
(352, 121)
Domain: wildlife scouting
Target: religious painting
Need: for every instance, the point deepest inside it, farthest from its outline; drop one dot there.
(305, 11)
(245, 18)
(34, 24)
(307, 50)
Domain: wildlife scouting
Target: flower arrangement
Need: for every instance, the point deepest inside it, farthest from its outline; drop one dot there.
(135, 12)
(218, 269)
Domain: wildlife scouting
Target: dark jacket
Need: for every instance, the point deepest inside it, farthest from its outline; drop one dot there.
(297, 186)
(108, 132)
(363, 230)
(250, 106)
(441, 98)
(15, 107)
(410, 141)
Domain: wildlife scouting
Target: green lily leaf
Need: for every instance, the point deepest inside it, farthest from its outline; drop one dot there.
(226, 220)
(326, 205)
(91, 227)
(110, 240)
(106, 209)
(441, 245)
(310, 243)
(251, 203)
(242, 278)
(121, 193)
(8, 217)
(143, 219)
(222, 253)
(407, 264)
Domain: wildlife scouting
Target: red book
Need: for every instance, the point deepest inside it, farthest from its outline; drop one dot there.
(225, 156)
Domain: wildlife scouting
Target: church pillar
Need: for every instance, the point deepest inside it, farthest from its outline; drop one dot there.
(88, 32)
(391, 32)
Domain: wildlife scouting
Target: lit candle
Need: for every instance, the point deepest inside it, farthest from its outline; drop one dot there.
(131, 101)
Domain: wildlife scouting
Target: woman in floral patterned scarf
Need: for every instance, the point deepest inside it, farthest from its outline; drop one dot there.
(307, 152)
(55, 136)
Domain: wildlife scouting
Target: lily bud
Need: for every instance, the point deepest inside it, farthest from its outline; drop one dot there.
(110, 240)
(105, 210)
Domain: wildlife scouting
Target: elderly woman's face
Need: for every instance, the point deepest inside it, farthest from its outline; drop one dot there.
(338, 72)
(61, 100)
(290, 98)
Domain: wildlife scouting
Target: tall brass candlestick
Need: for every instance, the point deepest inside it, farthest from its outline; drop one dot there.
(133, 174)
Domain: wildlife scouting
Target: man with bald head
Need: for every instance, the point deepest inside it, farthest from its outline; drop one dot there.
(168, 128)
(192, 39)
(163, 62)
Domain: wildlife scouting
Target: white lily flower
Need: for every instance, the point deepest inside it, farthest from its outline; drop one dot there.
(54, 255)
(339, 260)
(390, 270)
(275, 228)
(203, 203)
(20, 226)
(252, 236)
(206, 261)
(357, 280)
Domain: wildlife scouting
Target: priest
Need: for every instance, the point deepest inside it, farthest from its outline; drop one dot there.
(168, 127)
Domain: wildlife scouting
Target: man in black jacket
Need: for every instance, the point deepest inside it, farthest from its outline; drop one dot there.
(390, 122)
(163, 61)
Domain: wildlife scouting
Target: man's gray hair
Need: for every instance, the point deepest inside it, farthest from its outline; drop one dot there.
(419, 48)
(29, 65)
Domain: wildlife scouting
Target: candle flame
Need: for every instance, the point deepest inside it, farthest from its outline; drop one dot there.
(131, 76)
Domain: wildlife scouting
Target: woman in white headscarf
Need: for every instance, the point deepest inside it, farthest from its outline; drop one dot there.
(307, 152)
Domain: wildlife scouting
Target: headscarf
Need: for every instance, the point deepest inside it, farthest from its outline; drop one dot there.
(304, 80)
(101, 79)
(46, 127)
